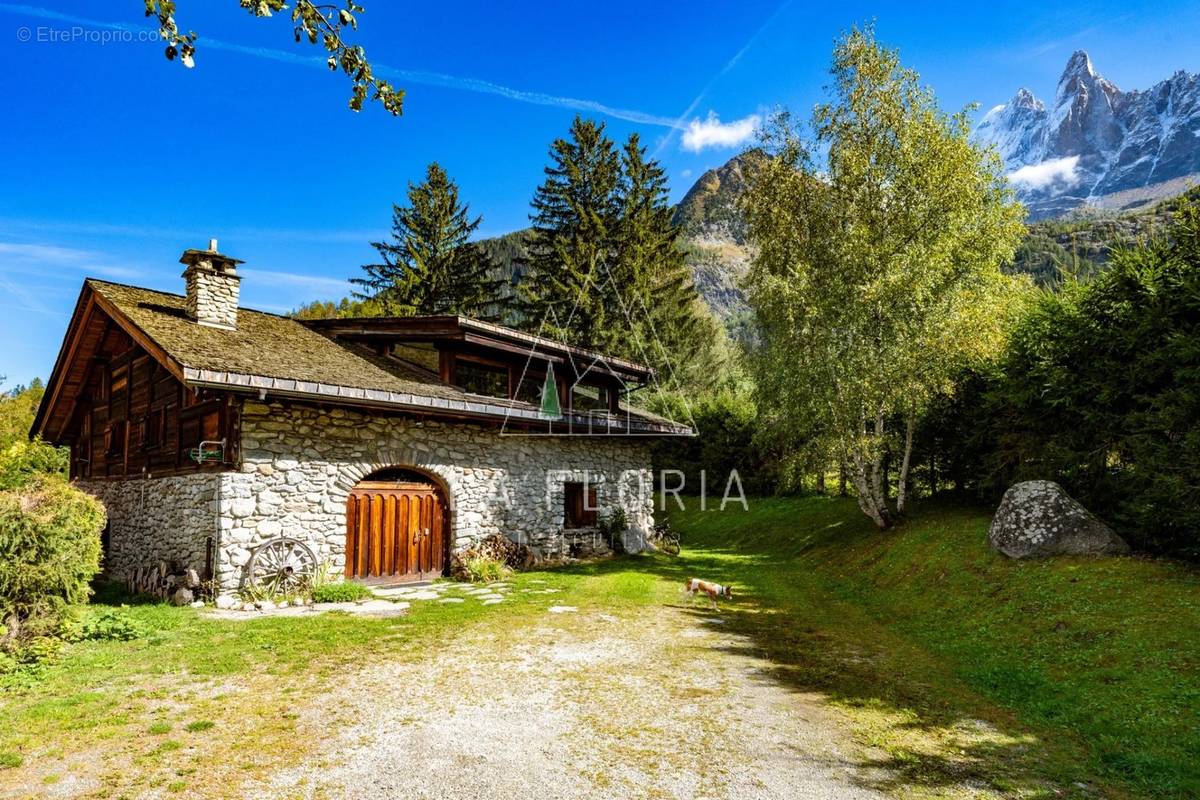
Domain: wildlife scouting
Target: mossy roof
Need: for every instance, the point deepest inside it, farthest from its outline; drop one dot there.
(278, 347)
(264, 344)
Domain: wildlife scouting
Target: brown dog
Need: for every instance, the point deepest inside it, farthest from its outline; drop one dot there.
(713, 590)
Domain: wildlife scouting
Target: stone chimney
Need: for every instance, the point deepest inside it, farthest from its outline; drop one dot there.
(212, 286)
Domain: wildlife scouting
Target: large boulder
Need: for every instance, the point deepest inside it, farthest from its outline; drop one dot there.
(1038, 519)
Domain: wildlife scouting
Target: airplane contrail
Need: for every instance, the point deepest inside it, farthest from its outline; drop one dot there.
(408, 76)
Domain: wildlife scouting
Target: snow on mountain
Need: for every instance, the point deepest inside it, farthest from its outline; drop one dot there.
(1096, 140)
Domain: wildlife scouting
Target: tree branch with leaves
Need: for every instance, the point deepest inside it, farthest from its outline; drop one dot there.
(323, 23)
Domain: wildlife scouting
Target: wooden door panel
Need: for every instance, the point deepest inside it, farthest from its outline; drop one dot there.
(389, 535)
(376, 534)
(395, 530)
(404, 561)
(364, 523)
(414, 529)
(351, 522)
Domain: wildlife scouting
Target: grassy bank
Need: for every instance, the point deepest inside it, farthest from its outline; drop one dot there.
(1082, 672)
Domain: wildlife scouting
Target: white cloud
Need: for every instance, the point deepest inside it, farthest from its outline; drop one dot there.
(711, 132)
(1039, 176)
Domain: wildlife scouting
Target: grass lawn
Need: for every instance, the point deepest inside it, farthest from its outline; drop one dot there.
(1090, 666)
(956, 670)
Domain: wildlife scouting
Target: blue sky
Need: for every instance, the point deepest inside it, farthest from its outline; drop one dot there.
(115, 160)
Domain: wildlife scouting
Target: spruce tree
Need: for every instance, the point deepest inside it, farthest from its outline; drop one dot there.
(604, 265)
(663, 311)
(430, 266)
(571, 248)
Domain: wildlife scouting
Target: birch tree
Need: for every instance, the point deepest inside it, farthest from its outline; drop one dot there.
(877, 266)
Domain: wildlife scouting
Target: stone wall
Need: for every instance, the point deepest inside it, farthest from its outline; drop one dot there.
(157, 519)
(300, 463)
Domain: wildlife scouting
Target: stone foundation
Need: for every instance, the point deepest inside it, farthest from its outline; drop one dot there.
(299, 464)
(157, 519)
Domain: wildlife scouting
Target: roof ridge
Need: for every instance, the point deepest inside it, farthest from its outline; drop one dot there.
(184, 297)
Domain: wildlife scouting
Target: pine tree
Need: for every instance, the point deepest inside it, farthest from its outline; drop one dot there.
(430, 266)
(571, 248)
(604, 265)
(665, 317)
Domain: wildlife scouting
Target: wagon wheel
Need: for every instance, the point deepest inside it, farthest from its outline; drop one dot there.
(281, 567)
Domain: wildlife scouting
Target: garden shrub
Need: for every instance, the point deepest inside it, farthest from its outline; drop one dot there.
(23, 461)
(110, 624)
(727, 422)
(339, 592)
(482, 569)
(49, 552)
(611, 525)
(493, 558)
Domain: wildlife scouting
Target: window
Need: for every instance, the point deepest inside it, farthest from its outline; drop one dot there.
(114, 439)
(529, 390)
(579, 505)
(590, 398)
(154, 430)
(481, 379)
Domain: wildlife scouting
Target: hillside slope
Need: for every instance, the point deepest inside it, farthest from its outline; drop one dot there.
(1084, 242)
(1082, 670)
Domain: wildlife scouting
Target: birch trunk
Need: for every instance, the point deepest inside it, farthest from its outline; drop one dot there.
(866, 484)
(910, 425)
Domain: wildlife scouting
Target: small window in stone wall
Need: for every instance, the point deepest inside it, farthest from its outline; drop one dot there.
(579, 505)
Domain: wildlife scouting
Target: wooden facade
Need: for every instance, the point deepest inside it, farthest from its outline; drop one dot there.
(133, 417)
(140, 388)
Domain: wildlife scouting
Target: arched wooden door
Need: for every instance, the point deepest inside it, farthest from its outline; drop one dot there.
(395, 529)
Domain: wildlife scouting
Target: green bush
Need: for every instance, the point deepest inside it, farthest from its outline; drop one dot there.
(109, 624)
(1097, 390)
(339, 592)
(727, 425)
(483, 569)
(611, 525)
(23, 461)
(49, 552)
(492, 558)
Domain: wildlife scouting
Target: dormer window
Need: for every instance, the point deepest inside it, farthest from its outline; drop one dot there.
(482, 379)
(591, 398)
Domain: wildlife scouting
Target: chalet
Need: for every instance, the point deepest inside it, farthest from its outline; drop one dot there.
(250, 446)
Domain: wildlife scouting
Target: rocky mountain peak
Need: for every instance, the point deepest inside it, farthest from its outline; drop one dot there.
(1079, 66)
(709, 209)
(1096, 141)
(1025, 99)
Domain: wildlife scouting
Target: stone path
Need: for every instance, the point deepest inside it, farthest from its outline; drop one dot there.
(390, 602)
(656, 703)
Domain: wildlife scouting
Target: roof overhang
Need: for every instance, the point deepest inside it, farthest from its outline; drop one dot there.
(519, 416)
(70, 368)
(449, 328)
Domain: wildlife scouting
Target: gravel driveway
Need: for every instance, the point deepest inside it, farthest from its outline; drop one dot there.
(662, 703)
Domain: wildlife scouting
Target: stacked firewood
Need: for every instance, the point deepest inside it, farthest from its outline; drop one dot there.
(180, 586)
